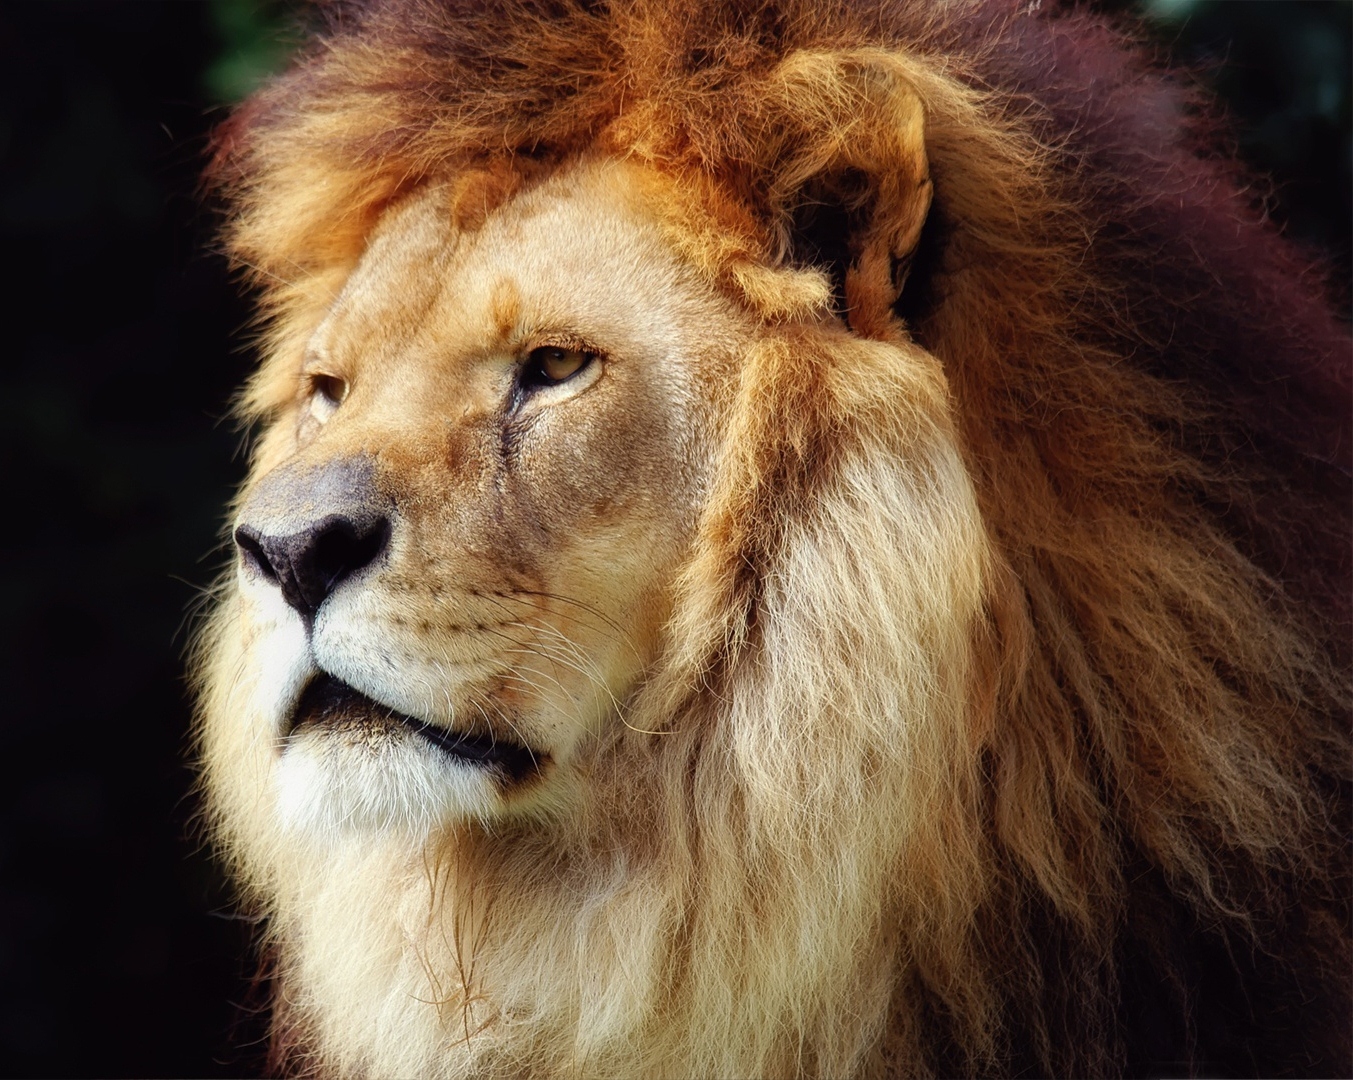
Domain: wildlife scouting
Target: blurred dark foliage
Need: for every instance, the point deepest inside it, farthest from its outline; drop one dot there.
(123, 351)
(120, 955)
(1282, 70)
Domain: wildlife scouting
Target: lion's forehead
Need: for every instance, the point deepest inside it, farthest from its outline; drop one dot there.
(582, 252)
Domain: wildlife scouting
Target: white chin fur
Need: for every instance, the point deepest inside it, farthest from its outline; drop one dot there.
(327, 790)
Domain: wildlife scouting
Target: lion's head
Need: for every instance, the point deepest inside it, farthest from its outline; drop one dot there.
(730, 582)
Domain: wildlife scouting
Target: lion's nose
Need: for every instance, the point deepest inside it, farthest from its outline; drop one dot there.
(309, 529)
(308, 565)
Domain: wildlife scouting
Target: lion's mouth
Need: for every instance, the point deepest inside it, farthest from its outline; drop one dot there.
(331, 704)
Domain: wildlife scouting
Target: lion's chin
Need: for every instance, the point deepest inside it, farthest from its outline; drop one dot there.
(349, 764)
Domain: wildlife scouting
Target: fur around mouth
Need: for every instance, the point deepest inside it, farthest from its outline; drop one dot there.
(329, 703)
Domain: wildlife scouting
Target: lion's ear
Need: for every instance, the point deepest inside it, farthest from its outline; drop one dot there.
(846, 173)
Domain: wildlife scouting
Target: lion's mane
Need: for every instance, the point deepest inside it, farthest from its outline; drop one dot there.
(1121, 845)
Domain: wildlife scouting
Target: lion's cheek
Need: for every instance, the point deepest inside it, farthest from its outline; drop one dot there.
(614, 521)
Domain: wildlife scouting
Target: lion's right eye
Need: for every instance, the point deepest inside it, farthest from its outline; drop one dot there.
(326, 395)
(551, 365)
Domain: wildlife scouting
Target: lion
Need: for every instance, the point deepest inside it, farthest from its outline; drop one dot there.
(783, 539)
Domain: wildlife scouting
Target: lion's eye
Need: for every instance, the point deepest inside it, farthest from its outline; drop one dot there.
(326, 395)
(552, 364)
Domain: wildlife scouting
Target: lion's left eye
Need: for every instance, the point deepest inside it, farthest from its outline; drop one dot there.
(326, 395)
(550, 365)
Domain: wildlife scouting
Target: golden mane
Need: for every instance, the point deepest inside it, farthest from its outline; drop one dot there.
(1134, 808)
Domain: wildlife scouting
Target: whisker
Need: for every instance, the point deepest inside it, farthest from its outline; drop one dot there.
(607, 628)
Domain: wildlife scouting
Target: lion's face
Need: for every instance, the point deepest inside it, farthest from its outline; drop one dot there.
(457, 549)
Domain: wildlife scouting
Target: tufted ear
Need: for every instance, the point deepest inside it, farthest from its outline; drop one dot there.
(846, 174)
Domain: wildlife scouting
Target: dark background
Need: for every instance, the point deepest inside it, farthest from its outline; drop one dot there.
(118, 952)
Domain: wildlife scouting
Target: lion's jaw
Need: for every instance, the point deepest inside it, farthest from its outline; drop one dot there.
(533, 532)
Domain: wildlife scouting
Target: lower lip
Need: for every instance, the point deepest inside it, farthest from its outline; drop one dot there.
(328, 703)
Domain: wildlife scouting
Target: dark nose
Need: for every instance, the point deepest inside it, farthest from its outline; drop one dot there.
(308, 565)
(310, 529)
